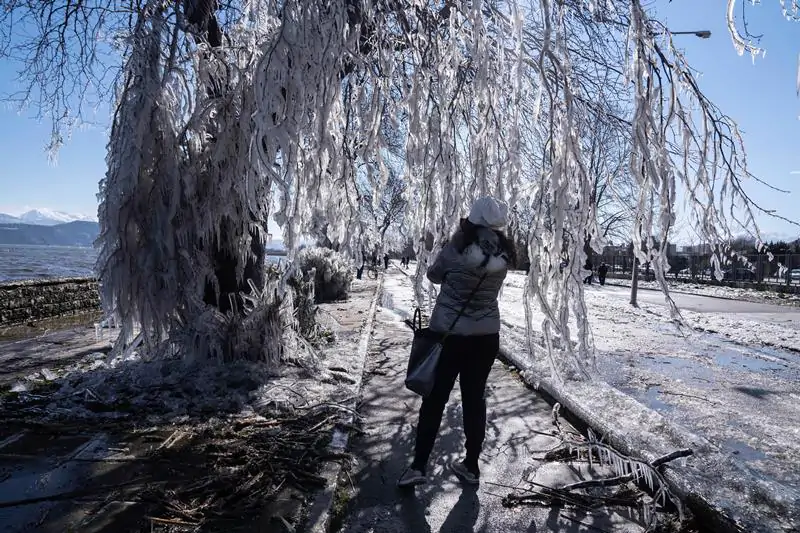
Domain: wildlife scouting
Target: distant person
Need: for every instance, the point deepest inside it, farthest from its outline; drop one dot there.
(602, 272)
(588, 266)
(471, 269)
(386, 261)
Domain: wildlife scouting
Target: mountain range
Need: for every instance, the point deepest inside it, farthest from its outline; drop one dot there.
(44, 217)
(77, 233)
(57, 228)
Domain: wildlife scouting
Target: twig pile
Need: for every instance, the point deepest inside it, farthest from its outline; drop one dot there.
(215, 476)
(231, 470)
(592, 494)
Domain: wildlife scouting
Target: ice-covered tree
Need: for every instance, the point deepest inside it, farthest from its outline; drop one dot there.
(223, 110)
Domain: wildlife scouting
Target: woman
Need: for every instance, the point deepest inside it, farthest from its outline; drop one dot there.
(471, 269)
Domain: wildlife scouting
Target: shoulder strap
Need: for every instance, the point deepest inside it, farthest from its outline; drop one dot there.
(469, 299)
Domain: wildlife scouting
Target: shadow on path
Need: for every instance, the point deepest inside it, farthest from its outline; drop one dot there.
(519, 430)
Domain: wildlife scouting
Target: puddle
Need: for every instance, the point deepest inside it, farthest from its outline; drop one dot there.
(747, 363)
(695, 371)
(56, 465)
(743, 451)
(679, 368)
(651, 397)
(38, 477)
(652, 400)
(32, 445)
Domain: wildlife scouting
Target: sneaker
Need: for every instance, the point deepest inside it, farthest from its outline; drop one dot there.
(411, 477)
(465, 474)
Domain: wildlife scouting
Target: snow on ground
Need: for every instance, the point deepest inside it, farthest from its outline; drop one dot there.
(717, 291)
(723, 386)
(158, 391)
(735, 404)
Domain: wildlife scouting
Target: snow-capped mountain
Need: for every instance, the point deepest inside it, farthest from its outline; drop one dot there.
(9, 219)
(785, 236)
(50, 217)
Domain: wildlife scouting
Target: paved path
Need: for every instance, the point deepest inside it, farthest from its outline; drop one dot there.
(51, 350)
(762, 312)
(516, 414)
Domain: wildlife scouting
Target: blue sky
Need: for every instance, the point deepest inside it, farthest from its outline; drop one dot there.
(762, 97)
(28, 179)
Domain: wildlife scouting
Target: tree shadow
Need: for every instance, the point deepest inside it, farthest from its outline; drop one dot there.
(519, 430)
(755, 392)
(385, 448)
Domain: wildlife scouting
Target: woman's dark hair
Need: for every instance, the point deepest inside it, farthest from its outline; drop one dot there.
(469, 235)
(509, 248)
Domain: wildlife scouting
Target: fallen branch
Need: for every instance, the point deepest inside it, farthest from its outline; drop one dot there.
(605, 482)
(626, 470)
(171, 521)
(686, 452)
(692, 396)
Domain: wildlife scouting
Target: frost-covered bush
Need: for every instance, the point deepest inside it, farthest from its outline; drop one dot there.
(305, 307)
(333, 273)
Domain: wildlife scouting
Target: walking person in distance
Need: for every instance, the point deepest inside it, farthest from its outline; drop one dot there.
(471, 269)
(602, 272)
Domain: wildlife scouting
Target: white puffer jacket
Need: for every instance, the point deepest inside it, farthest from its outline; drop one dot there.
(459, 273)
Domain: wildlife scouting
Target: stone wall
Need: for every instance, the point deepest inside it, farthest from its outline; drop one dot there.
(29, 301)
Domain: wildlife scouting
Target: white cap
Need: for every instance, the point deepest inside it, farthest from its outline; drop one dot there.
(489, 212)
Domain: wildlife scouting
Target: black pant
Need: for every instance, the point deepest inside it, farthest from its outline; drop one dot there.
(471, 358)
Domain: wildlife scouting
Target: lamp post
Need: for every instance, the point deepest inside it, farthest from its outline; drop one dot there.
(700, 34)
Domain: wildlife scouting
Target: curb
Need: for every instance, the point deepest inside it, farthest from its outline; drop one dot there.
(320, 509)
(711, 508)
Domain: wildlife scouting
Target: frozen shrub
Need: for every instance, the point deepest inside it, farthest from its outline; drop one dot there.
(305, 309)
(333, 273)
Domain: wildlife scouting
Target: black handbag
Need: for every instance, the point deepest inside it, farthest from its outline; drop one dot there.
(426, 350)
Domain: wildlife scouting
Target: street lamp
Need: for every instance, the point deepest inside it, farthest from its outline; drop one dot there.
(663, 30)
(702, 34)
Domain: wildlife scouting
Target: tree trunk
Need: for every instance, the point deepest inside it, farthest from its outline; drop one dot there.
(225, 265)
(635, 284)
(201, 13)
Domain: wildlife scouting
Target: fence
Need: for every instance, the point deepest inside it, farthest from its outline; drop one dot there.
(758, 270)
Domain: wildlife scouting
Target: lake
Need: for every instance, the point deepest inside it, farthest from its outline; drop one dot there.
(18, 262)
(32, 262)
